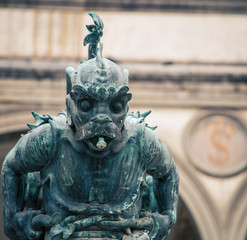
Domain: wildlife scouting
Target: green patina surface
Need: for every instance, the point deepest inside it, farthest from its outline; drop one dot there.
(94, 171)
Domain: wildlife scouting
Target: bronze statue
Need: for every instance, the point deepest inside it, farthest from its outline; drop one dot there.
(94, 171)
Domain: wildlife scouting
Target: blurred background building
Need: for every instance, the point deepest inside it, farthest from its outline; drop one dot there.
(188, 63)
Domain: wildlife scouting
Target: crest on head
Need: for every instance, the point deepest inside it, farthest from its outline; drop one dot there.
(97, 76)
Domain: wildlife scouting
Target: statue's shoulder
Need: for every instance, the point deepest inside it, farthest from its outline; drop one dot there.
(59, 122)
(56, 123)
(135, 122)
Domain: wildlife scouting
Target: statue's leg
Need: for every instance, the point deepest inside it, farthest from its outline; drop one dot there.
(137, 235)
(86, 235)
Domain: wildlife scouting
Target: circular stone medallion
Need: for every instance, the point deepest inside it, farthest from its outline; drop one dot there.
(216, 144)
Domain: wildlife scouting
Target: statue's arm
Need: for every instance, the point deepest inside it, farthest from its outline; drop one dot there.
(31, 153)
(161, 166)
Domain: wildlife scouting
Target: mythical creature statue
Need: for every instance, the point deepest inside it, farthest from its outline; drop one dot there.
(94, 171)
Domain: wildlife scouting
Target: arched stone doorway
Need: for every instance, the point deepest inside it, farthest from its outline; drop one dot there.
(7, 141)
(185, 227)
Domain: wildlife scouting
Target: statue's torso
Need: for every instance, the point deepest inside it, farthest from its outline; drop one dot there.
(79, 183)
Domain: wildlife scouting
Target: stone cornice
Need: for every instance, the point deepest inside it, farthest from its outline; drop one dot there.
(42, 83)
(221, 6)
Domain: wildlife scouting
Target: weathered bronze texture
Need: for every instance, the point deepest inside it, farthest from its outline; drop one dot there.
(94, 171)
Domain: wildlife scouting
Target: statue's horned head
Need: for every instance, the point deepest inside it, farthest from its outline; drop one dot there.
(97, 100)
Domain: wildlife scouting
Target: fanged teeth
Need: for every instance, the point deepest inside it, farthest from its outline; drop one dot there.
(101, 143)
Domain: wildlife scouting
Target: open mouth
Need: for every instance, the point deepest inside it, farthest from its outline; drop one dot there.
(99, 143)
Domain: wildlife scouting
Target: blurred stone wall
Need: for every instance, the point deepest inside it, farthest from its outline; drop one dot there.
(145, 36)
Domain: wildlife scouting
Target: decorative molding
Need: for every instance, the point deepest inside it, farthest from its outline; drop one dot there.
(215, 142)
(220, 6)
(174, 85)
(236, 224)
(198, 202)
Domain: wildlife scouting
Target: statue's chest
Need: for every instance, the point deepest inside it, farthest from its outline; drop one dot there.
(88, 179)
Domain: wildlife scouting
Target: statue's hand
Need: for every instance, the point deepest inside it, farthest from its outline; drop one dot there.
(134, 229)
(161, 226)
(144, 223)
(22, 222)
(41, 221)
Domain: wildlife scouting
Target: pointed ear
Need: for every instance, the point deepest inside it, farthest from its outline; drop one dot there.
(73, 96)
(68, 104)
(70, 73)
(70, 120)
(129, 96)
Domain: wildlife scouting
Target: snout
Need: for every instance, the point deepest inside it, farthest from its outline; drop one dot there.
(99, 133)
(101, 119)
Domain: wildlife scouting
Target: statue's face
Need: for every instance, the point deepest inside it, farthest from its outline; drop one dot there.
(98, 121)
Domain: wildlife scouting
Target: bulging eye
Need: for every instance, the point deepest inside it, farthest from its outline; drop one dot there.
(117, 107)
(86, 105)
